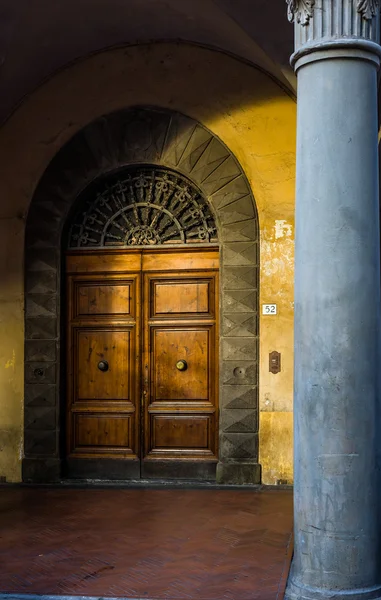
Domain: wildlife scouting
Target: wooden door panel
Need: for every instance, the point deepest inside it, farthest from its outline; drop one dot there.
(170, 345)
(102, 432)
(180, 298)
(180, 261)
(107, 261)
(182, 434)
(94, 347)
(109, 299)
(103, 418)
(180, 322)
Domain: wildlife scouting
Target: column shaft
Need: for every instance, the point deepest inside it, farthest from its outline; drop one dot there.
(337, 330)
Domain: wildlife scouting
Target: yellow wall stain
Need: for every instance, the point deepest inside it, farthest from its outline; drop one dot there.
(11, 363)
(247, 110)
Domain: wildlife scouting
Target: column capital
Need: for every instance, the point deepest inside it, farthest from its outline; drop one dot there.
(348, 27)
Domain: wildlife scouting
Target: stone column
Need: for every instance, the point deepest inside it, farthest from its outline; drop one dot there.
(337, 303)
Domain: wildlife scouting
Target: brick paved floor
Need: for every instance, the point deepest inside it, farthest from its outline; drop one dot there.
(146, 543)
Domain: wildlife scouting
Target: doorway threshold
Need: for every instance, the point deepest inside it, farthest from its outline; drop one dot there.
(152, 484)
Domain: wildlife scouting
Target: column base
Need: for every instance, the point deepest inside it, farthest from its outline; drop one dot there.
(238, 473)
(297, 591)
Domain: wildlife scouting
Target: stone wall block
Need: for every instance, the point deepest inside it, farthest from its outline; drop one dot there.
(239, 446)
(240, 278)
(196, 146)
(242, 231)
(236, 348)
(240, 301)
(214, 157)
(239, 324)
(37, 443)
(41, 282)
(239, 397)
(237, 420)
(237, 211)
(240, 372)
(41, 328)
(40, 418)
(224, 174)
(40, 350)
(241, 254)
(40, 372)
(40, 395)
(40, 236)
(143, 136)
(41, 305)
(179, 133)
(235, 189)
(42, 259)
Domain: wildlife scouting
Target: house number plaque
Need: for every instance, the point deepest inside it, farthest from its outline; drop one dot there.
(269, 309)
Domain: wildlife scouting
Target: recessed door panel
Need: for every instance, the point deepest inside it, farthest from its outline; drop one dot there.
(181, 297)
(103, 364)
(181, 434)
(102, 432)
(110, 298)
(180, 363)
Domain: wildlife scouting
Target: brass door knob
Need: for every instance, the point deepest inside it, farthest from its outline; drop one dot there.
(181, 365)
(103, 366)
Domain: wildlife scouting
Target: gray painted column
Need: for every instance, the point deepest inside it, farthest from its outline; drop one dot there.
(337, 303)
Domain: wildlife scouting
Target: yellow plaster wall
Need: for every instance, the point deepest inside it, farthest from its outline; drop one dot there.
(248, 111)
(11, 348)
(276, 455)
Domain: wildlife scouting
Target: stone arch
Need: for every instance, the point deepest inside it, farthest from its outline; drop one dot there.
(172, 140)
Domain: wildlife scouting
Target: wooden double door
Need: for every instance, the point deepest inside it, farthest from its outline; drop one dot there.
(142, 364)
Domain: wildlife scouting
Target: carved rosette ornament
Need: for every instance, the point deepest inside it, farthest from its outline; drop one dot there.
(368, 8)
(300, 11)
(146, 206)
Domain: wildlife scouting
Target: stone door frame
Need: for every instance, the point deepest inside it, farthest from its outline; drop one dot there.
(171, 140)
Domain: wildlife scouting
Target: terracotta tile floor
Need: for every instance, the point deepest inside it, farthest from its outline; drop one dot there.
(146, 543)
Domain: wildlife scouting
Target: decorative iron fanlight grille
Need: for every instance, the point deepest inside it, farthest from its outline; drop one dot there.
(145, 206)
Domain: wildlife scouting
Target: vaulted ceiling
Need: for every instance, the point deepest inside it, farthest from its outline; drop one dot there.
(40, 37)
